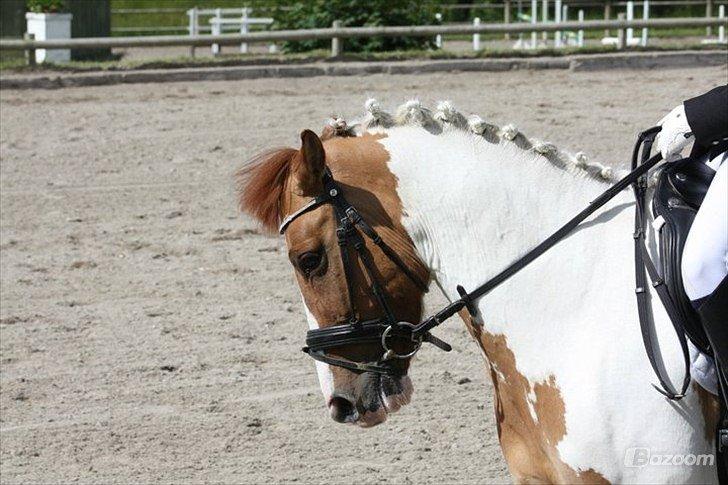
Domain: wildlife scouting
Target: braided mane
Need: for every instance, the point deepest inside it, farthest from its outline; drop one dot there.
(445, 117)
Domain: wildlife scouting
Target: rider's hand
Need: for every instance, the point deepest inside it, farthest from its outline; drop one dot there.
(675, 135)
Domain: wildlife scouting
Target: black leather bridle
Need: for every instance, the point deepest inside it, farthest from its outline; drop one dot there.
(386, 330)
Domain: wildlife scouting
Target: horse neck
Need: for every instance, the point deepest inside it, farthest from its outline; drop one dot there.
(560, 338)
(473, 207)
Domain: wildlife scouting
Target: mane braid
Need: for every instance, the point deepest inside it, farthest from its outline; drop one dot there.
(445, 117)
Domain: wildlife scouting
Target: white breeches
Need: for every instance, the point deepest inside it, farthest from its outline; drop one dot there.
(705, 256)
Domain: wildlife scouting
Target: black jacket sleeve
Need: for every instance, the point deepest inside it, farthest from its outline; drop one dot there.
(707, 116)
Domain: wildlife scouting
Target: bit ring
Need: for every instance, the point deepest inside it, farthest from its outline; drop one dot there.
(391, 353)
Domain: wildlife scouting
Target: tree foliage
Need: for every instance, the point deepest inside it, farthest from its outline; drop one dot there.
(47, 6)
(314, 14)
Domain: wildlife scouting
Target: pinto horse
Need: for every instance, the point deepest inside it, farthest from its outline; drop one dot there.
(457, 199)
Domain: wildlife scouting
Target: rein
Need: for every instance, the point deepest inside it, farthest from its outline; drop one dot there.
(467, 298)
(351, 231)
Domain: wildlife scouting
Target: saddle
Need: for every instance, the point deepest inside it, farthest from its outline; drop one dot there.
(680, 190)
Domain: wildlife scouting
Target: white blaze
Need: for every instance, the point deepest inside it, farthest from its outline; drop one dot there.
(325, 376)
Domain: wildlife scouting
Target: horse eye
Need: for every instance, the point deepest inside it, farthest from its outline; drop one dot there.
(309, 261)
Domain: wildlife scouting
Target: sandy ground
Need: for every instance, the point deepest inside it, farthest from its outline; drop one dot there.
(149, 333)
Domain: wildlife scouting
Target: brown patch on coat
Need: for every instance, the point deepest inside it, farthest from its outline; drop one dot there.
(528, 443)
(550, 409)
(710, 408)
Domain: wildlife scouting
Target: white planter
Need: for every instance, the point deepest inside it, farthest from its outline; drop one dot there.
(46, 26)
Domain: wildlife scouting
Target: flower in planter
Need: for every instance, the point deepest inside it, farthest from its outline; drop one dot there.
(47, 6)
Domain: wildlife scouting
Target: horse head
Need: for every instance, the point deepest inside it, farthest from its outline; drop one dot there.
(344, 280)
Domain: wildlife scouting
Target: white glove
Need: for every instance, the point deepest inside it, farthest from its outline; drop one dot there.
(676, 134)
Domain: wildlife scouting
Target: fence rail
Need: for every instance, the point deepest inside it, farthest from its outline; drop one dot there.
(337, 33)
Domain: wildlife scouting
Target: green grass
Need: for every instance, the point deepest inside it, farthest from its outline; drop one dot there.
(177, 18)
(18, 65)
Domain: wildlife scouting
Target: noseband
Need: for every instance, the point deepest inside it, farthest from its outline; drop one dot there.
(383, 331)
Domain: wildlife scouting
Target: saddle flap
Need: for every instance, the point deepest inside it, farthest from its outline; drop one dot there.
(680, 191)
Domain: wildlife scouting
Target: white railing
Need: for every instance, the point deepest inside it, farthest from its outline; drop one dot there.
(240, 21)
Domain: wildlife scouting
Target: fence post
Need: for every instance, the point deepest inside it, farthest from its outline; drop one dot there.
(708, 14)
(580, 33)
(476, 36)
(438, 37)
(630, 17)
(534, 19)
(507, 15)
(621, 33)
(645, 16)
(607, 14)
(29, 53)
(721, 29)
(544, 19)
(193, 26)
(335, 41)
(244, 29)
(557, 19)
(216, 30)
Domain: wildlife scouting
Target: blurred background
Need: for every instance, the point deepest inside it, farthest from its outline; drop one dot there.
(139, 18)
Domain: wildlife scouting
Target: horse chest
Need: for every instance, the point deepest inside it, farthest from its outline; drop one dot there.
(530, 417)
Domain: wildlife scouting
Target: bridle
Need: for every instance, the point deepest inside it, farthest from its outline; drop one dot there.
(384, 331)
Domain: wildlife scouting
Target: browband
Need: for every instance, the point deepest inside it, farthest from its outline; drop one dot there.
(311, 205)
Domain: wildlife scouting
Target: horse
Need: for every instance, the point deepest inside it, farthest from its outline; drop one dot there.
(457, 198)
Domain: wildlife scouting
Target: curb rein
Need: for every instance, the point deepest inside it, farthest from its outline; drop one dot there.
(352, 229)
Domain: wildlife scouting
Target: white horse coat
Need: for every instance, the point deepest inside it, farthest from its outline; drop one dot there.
(570, 318)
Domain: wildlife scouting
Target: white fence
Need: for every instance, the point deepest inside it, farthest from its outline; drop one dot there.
(222, 20)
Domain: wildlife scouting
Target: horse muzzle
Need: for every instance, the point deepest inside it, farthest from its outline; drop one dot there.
(372, 399)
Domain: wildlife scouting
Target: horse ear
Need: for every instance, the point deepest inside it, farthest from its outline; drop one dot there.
(310, 170)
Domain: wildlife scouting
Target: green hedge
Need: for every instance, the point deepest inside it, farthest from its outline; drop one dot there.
(356, 13)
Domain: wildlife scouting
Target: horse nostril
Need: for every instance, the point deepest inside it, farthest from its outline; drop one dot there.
(342, 410)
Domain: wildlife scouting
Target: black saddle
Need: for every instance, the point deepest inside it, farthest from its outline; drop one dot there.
(680, 191)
